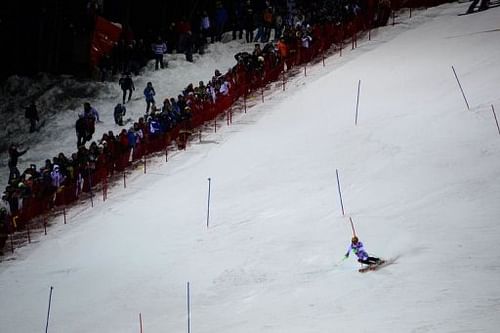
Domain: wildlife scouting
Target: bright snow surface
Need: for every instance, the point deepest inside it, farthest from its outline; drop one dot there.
(419, 177)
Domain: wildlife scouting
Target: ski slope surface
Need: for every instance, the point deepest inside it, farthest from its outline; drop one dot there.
(419, 176)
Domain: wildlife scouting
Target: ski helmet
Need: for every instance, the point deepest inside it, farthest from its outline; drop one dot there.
(354, 239)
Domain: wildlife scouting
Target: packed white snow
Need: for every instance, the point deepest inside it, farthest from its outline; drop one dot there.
(419, 175)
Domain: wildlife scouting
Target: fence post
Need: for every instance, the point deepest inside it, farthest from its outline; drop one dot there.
(12, 242)
(28, 230)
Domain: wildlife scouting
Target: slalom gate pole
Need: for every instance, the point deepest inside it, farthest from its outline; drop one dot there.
(340, 192)
(145, 164)
(124, 180)
(460, 86)
(323, 59)
(357, 103)
(352, 227)
(64, 214)
(262, 93)
(227, 117)
(393, 18)
(215, 124)
(48, 311)
(231, 116)
(166, 154)
(104, 188)
(199, 135)
(495, 115)
(45, 224)
(208, 202)
(188, 310)
(11, 243)
(305, 69)
(370, 32)
(140, 322)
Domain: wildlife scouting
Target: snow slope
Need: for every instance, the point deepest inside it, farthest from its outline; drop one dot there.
(419, 176)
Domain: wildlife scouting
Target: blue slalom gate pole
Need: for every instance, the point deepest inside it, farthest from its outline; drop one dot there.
(208, 204)
(48, 311)
(340, 192)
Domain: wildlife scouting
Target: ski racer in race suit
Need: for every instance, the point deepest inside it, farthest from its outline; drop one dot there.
(358, 249)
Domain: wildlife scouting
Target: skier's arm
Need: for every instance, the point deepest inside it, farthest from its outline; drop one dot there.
(348, 251)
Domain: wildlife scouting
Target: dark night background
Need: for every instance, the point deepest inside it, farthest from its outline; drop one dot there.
(54, 35)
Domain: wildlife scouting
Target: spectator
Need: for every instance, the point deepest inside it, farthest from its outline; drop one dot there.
(236, 20)
(206, 28)
(31, 114)
(81, 131)
(220, 21)
(159, 49)
(118, 114)
(248, 19)
(90, 116)
(189, 45)
(14, 155)
(149, 93)
(127, 85)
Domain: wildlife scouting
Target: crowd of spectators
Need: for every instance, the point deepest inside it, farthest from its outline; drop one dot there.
(297, 36)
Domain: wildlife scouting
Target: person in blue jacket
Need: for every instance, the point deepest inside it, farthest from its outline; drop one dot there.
(357, 247)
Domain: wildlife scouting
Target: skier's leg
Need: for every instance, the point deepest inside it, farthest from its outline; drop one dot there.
(373, 260)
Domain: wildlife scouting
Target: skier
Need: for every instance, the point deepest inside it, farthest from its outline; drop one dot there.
(357, 247)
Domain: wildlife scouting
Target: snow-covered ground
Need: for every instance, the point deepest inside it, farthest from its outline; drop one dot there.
(419, 176)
